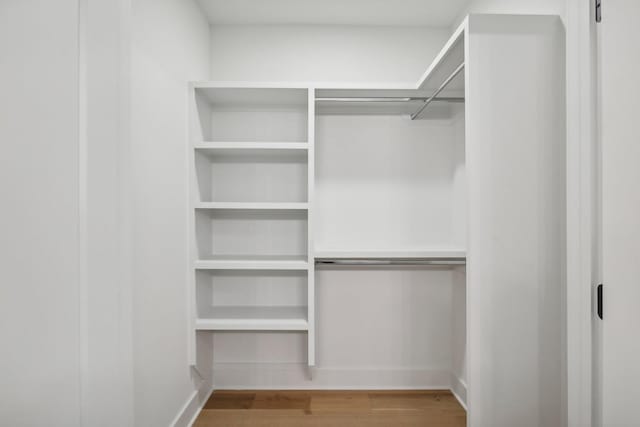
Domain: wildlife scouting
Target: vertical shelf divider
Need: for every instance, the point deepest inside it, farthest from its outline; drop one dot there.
(311, 333)
(194, 135)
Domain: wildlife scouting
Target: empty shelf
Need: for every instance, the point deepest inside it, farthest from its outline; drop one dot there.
(253, 318)
(242, 145)
(253, 262)
(253, 205)
(256, 96)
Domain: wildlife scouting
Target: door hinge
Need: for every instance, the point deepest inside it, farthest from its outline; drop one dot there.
(598, 10)
(599, 308)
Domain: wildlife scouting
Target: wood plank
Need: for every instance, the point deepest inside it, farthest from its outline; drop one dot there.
(412, 420)
(226, 400)
(336, 402)
(282, 400)
(412, 401)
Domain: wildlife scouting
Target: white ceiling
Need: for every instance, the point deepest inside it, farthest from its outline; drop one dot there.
(434, 13)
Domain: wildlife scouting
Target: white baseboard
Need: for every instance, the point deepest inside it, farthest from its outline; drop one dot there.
(459, 390)
(192, 407)
(288, 376)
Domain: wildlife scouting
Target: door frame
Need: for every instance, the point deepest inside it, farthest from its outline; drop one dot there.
(582, 212)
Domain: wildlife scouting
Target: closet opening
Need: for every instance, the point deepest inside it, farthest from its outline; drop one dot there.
(361, 236)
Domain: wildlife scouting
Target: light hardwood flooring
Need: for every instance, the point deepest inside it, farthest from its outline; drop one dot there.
(332, 408)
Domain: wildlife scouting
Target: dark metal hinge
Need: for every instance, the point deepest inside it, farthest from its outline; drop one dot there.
(599, 292)
(598, 10)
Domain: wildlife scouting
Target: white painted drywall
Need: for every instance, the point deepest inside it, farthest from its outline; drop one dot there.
(352, 12)
(107, 370)
(384, 183)
(39, 219)
(170, 47)
(530, 7)
(322, 53)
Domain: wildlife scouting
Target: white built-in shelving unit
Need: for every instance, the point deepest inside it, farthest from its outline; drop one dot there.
(253, 175)
(251, 178)
(462, 171)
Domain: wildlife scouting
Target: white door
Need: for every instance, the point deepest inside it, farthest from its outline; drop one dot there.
(619, 73)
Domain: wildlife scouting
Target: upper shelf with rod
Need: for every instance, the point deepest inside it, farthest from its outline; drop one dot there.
(440, 86)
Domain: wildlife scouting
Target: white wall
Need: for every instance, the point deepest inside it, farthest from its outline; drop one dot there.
(66, 146)
(39, 219)
(170, 47)
(535, 7)
(107, 375)
(322, 53)
(385, 183)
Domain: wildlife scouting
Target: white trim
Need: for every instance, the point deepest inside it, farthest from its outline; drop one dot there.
(295, 376)
(190, 410)
(125, 214)
(580, 211)
(83, 323)
(459, 390)
(459, 399)
(468, 264)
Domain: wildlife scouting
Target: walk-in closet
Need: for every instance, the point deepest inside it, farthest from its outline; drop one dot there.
(319, 213)
(354, 236)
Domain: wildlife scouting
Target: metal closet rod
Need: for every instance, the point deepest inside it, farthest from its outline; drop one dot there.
(437, 92)
(390, 261)
(390, 99)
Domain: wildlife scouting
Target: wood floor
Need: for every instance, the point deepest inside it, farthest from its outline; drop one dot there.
(332, 408)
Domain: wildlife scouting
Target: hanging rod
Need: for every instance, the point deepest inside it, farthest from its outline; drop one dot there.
(390, 261)
(390, 99)
(437, 92)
